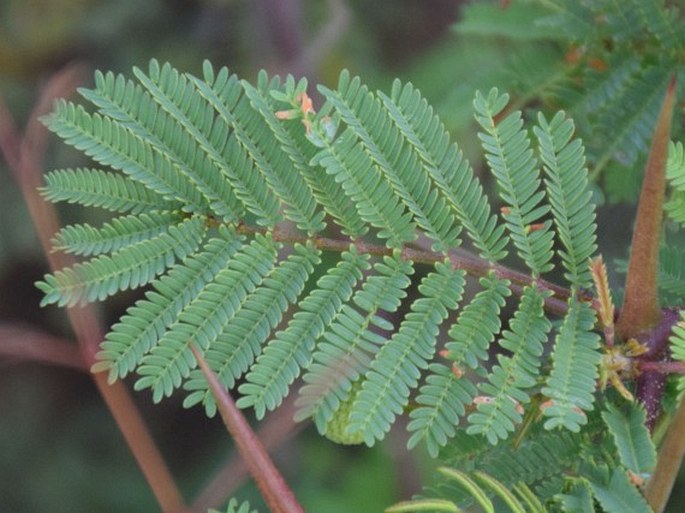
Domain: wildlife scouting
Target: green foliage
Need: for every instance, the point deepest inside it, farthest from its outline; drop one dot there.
(447, 167)
(500, 409)
(568, 195)
(615, 493)
(607, 63)
(245, 191)
(631, 436)
(397, 366)
(130, 266)
(677, 346)
(96, 188)
(507, 150)
(572, 382)
(675, 174)
(351, 342)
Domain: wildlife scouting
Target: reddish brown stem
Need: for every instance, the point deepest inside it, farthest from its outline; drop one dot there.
(641, 304)
(23, 156)
(670, 457)
(662, 367)
(277, 428)
(31, 345)
(277, 495)
(473, 265)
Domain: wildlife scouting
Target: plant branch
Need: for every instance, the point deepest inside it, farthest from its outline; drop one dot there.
(472, 264)
(24, 155)
(670, 456)
(32, 345)
(277, 495)
(276, 429)
(641, 304)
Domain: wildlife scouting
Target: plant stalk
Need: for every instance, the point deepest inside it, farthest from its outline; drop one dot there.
(641, 304)
(670, 456)
(277, 495)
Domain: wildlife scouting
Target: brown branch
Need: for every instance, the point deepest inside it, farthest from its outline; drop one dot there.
(276, 429)
(670, 456)
(277, 495)
(641, 304)
(662, 367)
(24, 161)
(28, 344)
(473, 265)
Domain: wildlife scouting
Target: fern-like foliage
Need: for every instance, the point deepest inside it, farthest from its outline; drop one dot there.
(107, 190)
(231, 199)
(572, 382)
(507, 150)
(396, 368)
(606, 62)
(500, 409)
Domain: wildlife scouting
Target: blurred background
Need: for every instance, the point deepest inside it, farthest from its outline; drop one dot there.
(60, 450)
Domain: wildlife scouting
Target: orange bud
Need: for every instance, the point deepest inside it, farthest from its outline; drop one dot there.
(284, 114)
(598, 64)
(547, 404)
(306, 104)
(574, 55)
(483, 399)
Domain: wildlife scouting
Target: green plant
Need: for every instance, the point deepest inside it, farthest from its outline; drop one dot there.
(239, 203)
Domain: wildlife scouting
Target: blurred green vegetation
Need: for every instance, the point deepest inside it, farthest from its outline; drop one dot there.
(60, 450)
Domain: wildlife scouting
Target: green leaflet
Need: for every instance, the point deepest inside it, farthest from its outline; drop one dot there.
(144, 323)
(447, 167)
(477, 324)
(442, 400)
(291, 349)
(205, 318)
(128, 268)
(500, 409)
(617, 494)
(569, 197)
(396, 369)
(84, 239)
(368, 118)
(578, 499)
(171, 126)
(677, 347)
(349, 344)
(291, 184)
(234, 349)
(97, 188)
(224, 93)
(328, 192)
(675, 174)
(572, 382)
(535, 459)
(507, 150)
(363, 183)
(112, 144)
